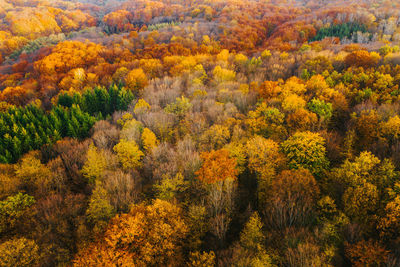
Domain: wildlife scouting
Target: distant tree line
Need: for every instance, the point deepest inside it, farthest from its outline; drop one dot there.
(343, 30)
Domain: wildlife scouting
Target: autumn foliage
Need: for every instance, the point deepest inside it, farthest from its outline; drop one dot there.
(217, 166)
(199, 133)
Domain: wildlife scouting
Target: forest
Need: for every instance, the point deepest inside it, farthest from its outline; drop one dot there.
(200, 133)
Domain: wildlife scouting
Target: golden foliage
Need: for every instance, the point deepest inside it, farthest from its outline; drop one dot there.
(129, 154)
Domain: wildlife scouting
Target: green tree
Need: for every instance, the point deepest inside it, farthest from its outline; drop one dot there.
(321, 108)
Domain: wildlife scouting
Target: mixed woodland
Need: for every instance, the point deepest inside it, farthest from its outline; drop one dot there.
(200, 133)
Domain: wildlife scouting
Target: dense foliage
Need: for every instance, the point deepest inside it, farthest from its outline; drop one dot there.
(199, 133)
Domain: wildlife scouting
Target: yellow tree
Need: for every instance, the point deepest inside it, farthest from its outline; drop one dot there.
(141, 107)
(136, 80)
(391, 129)
(216, 136)
(301, 120)
(19, 252)
(149, 140)
(293, 102)
(263, 159)
(33, 173)
(13, 210)
(306, 150)
(252, 250)
(361, 203)
(223, 75)
(129, 154)
(99, 210)
(390, 223)
(266, 121)
(203, 259)
(95, 164)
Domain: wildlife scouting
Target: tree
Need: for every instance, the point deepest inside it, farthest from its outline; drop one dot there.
(341, 30)
(201, 259)
(198, 224)
(149, 140)
(223, 75)
(318, 65)
(218, 173)
(149, 235)
(171, 188)
(367, 126)
(59, 226)
(217, 166)
(264, 159)
(322, 109)
(306, 150)
(94, 166)
(122, 188)
(366, 253)
(8, 184)
(306, 253)
(361, 202)
(293, 102)
(141, 107)
(216, 136)
(118, 21)
(68, 55)
(354, 173)
(131, 128)
(105, 135)
(391, 129)
(364, 168)
(237, 151)
(99, 211)
(266, 121)
(301, 120)
(34, 174)
(293, 196)
(179, 107)
(12, 211)
(252, 237)
(136, 80)
(19, 252)
(390, 223)
(269, 89)
(251, 250)
(129, 154)
(362, 58)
